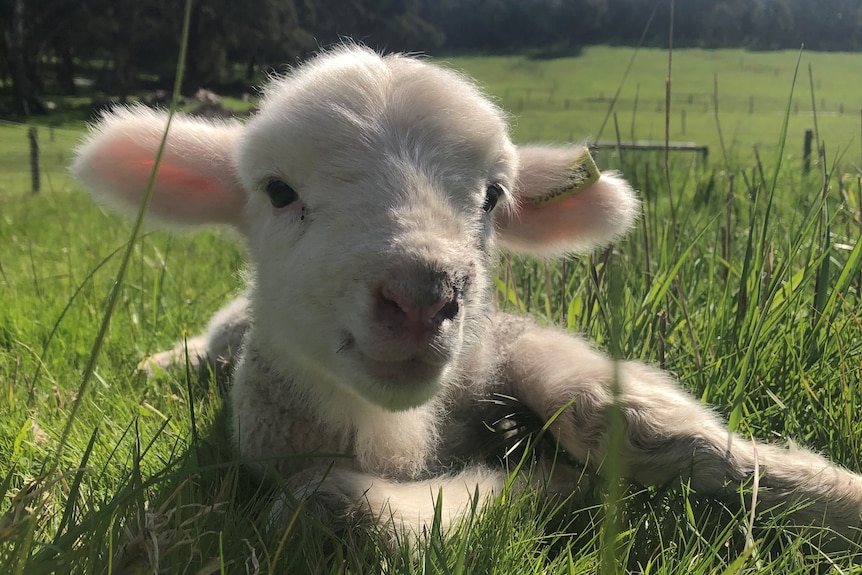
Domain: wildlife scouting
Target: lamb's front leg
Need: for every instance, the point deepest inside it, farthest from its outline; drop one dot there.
(215, 349)
(668, 433)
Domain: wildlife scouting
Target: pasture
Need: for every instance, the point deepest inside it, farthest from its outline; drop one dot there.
(568, 98)
(743, 279)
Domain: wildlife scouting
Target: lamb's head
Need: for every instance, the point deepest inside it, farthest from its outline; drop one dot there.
(371, 191)
(375, 183)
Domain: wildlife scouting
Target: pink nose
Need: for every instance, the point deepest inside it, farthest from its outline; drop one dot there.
(418, 320)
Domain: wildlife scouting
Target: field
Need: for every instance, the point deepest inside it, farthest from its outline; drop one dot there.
(744, 279)
(752, 89)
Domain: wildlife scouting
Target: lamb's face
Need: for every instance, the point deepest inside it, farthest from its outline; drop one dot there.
(372, 188)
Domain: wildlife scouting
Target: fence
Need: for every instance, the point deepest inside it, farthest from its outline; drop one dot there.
(519, 99)
(650, 146)
(35, 158)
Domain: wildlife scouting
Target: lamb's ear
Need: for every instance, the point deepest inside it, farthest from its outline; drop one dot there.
(196, 182)
(564, 205)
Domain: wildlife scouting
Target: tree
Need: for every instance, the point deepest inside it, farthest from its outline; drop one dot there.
(127, 45)
(393, 25)
(21, 64)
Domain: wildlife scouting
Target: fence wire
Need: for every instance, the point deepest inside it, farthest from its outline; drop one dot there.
(55, 152)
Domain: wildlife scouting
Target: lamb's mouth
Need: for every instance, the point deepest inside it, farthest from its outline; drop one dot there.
(408, 373)
(405, 371)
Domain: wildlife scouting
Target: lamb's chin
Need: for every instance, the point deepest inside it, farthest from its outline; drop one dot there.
(396, 385)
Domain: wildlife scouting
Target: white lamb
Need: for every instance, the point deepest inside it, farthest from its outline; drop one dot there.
(372, 193)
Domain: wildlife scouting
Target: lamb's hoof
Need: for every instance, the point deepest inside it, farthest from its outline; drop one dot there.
(156, 364)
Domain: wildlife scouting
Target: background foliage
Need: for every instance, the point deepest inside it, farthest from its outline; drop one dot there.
(120, 46)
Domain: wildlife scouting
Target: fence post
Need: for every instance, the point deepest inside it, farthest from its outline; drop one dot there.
(32, 135)
(806, 151)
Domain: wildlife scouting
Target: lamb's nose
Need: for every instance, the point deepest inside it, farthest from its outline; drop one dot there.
(428, 314)
(420, 320)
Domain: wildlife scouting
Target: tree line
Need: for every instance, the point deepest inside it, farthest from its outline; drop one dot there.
(119, 47)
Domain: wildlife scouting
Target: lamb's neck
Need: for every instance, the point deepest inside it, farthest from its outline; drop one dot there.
(399, 443)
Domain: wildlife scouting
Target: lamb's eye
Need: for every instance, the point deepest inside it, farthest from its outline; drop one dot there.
(492, 194)
(280, 194)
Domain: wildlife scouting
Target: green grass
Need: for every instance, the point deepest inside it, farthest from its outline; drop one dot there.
(765, 325)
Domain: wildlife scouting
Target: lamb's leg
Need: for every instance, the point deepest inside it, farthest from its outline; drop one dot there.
(404, 508)
(215, 349)
(671, 434)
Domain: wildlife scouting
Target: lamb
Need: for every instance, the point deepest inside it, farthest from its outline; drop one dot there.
(372, 193)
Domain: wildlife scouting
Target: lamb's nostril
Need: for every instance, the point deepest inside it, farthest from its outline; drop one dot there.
(448, 310)
(397, 304)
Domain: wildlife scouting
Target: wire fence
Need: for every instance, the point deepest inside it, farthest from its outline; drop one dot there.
(34, 159)
(32, 166)
(519, 99)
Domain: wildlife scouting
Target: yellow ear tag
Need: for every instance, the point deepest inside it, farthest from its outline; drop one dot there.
(582, 174)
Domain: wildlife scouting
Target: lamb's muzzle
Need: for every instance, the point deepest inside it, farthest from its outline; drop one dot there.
(420, 307)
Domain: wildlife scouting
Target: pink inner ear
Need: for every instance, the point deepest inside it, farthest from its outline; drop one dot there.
(183, 194)
(560, 222)
(593, 216)
(175, 177)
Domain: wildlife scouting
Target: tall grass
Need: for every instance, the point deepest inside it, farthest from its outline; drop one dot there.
(749, 295)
